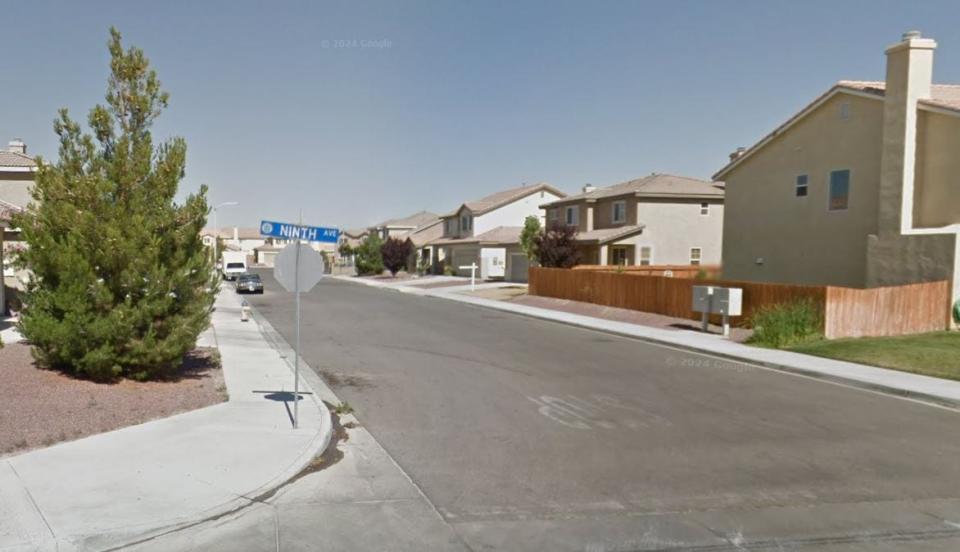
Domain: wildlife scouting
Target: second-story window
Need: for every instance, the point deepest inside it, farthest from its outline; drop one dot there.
(451, 226)
(801, 187)
(619, 211)
(839, 190)
(704, 209)
(466, 222)
(572, 215)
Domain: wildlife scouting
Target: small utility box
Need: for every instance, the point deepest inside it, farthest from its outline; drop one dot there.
(717, 300)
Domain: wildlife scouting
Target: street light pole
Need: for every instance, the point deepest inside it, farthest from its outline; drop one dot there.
(216, 229)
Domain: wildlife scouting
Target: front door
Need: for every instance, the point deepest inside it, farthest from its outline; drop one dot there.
(618, 255)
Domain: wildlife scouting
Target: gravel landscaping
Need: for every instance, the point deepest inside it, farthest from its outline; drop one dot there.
(41, 407)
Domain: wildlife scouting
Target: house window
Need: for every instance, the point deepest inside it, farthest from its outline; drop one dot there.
(466, 222)
(646, 255)
(704, 209)
(451, 226)
(839, 190)
(845, 110)
(618, 255)
(552, 216)
(801, 188)
(572, 215)
(696, 254)
(619, 211)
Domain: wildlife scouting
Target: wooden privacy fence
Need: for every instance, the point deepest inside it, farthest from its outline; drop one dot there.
(675, 271)
(847, 312)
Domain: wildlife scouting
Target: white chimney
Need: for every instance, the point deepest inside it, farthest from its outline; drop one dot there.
(17, 146)
(909, 78)
(236, 234)
(588, 187)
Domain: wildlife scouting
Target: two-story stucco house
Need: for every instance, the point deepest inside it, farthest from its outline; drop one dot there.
(486, 231)
(17, 172)
(402, 227)
(659, 219)
(860, 188)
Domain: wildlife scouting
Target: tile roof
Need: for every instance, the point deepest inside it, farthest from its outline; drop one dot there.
(426, 233)
(607, 235)
(501, 198)
(655, 185)
(412, 221)
(501, 235)
(945, 96)
(227, 233)
(7, 210)
(16, 159)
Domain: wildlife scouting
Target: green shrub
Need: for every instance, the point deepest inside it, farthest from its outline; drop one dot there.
(369, 260)
(448, 270)
(787, 324)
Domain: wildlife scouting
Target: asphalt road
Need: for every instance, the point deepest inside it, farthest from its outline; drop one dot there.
(514, 428)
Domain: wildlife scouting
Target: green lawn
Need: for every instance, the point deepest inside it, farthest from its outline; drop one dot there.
(933, 354)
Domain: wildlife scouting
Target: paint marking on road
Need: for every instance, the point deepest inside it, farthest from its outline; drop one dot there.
(593, 412)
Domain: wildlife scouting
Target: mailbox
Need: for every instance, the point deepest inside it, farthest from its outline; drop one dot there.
(717, 300)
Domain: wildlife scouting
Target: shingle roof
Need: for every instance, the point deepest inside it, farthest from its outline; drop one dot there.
(16, 159)
(945, 96)
(412, 221)
(501, 198)
(501, 235)
(607, 235)
(655, 185)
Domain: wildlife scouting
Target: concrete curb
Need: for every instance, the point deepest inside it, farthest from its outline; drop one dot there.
(317, 446)
(573, 320)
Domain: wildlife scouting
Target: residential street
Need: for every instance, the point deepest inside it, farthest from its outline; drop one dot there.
(526, 434)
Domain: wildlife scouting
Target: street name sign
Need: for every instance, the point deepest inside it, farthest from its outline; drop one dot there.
(289, 231)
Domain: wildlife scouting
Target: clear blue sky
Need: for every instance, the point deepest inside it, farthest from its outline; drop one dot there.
(463, 98)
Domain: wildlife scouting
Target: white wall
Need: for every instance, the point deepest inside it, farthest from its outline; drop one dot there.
(513, 214)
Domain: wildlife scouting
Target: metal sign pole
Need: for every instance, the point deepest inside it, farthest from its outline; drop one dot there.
(296, 356)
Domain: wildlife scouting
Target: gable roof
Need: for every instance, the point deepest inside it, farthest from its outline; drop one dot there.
(504, 197)
(943, 96)
(7, 210)
(426, 233)
(412, 221)
(655, 185)
(16, 160)
(501, 235)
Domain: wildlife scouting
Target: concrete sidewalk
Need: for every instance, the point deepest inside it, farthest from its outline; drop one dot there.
(936, 390)
(111, 490)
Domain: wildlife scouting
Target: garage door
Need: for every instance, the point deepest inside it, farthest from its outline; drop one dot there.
(464, 257)
(518, 267)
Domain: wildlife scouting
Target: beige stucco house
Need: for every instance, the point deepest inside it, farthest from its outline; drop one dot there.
(659, 219)
(860, 188)
(486, 231)
(402, 227)
(17, 172)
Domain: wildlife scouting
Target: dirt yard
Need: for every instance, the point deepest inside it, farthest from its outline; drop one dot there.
(41, 407)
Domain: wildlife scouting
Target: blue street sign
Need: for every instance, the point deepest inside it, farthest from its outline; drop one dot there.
(287, 231)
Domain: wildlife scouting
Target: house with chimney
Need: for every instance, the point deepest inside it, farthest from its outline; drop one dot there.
(860, 188)
(17, 173)
(659, 219)
(486, 232)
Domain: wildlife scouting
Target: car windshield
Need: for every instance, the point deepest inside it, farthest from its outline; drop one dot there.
(250, 278)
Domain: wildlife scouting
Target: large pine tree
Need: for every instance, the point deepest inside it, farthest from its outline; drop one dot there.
(122, 284)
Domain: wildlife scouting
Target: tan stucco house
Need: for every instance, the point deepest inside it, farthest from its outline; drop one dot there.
(861, 188)
(17, 173)
(659, 219)
(402, 227)
(486, 231)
